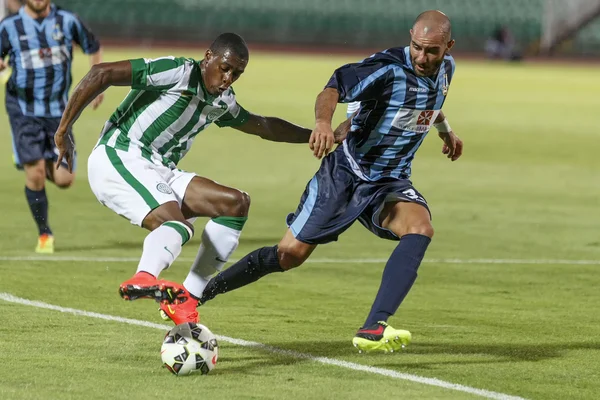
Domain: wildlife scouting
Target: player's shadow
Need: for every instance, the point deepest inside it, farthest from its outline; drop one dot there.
(509, 351)
(260, 241)
(501, 352)
(137, 244)
(252, 365)
(110, 245)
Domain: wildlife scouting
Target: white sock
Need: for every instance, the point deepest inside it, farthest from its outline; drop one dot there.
(218, 242)
(162, 246)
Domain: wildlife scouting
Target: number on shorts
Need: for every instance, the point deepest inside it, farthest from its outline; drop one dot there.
(411, 194)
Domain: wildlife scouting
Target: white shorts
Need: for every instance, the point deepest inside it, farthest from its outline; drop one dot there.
(132, 186)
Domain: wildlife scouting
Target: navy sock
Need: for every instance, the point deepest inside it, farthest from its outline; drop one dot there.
(247, 270)
(398, 277)
(38, 203)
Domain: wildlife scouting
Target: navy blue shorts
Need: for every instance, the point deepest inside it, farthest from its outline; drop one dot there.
(336, 197)
(32, 137)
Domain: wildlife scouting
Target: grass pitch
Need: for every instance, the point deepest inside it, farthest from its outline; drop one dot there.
(526, 189)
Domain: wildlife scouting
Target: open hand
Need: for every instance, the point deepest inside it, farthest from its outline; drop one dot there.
(66, 148)
(453, 146)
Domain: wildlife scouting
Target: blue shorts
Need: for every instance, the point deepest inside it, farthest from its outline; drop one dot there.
(32, 137)
(336, 197)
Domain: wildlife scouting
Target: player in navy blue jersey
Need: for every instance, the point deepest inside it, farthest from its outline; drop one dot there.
(38, 40)
(400, 94)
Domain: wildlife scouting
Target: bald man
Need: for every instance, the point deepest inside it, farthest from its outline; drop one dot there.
(400, 92)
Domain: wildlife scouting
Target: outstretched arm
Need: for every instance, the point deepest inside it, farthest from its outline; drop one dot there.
(96, 81)
(274, 129)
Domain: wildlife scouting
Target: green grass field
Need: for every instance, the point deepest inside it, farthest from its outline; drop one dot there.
(526, 191)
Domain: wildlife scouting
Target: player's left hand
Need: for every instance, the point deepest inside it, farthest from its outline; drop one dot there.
(66, 148)
(453, 146)
(97, 101)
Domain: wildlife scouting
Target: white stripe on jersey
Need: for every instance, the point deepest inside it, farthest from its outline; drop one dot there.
(353, 107)
(201, 122)
(150, 114)
(176, 126)
(168, 77)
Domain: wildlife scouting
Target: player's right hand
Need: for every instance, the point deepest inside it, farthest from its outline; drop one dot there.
(321, 140)
(66, 148)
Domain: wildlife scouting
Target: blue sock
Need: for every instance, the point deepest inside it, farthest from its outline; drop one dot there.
(247, 270)
(38, 204)
(398, 277)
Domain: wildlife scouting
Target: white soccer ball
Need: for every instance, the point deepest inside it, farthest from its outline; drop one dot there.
(188, 348)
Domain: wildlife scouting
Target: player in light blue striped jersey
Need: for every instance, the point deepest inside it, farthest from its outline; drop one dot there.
(397, 97)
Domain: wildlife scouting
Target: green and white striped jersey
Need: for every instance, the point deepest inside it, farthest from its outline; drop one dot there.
(166, 108)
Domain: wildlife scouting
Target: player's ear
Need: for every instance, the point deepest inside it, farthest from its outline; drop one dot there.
(450, 44)
(208, 55)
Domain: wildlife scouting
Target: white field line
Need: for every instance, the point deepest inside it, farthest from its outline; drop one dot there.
(321, 260)
(245, 343)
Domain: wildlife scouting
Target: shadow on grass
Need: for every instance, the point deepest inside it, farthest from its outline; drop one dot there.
(508, 352)
(112, 245)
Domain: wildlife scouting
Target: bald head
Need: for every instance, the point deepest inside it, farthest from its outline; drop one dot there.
(433, 22)
(431, 39)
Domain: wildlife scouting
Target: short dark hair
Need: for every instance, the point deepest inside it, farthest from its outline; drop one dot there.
(232, 42)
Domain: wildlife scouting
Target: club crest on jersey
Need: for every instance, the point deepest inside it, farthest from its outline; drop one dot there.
(445, 85)
(57, 33)
(214, 114)
(419, 121)
(164, 188)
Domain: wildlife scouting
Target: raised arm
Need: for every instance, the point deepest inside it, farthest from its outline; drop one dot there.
(96, 81)
(274, 129)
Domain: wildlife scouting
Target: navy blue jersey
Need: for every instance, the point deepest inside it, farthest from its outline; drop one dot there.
(41, 52)
(397, 109)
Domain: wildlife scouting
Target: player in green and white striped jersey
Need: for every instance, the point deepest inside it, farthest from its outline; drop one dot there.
(133, 168)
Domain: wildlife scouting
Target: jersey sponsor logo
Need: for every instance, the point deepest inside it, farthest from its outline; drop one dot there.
(44, 57)
(164, 188)
(419, 121)
(424, 118)
(418, 89)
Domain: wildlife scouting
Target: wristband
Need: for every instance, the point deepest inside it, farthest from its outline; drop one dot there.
(443, 127)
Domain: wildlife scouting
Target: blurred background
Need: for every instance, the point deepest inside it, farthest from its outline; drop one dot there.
(508, 29)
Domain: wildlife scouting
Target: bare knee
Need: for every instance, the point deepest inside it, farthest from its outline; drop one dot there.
(237, 204)
(64, 182)
(165, 212)
(422, 228)
(35, 176)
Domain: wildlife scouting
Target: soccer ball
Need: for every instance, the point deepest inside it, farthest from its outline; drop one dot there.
(188, 348)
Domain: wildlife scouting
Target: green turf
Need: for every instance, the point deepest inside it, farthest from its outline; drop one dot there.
(525, 189)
